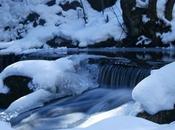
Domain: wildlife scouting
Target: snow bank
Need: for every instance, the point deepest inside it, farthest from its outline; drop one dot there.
(126, 123)
(120, 119)
(156, 92)
(119, 123)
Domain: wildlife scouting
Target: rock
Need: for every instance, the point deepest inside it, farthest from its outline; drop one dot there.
(18, 87)
(162, 117)
(100, 5)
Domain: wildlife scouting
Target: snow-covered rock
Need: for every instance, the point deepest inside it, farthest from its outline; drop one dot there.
(61, 76)
(156, 92)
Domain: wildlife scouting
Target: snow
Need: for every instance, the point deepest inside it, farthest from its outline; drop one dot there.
(170, 36)
(64, 25)
(161, 9)
(142, 3)
(156, 92)
(142, 40)
(5, 126)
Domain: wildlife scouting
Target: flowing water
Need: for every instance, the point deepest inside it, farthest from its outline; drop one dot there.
(117, 74)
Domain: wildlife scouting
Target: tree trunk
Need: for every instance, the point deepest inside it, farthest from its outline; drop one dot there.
(131, 17)
(152, 11)
(169, 9)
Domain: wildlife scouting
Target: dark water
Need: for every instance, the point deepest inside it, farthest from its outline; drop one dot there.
(151, 58)
(118, 72)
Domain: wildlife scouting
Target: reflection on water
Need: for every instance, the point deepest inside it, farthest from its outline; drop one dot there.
(144, 57)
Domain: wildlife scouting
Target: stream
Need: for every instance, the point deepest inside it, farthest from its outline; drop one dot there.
(117, 73)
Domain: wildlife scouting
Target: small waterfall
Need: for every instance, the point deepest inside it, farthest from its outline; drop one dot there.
(120, 76)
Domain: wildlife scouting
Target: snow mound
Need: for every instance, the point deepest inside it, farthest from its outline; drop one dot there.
(156, 92)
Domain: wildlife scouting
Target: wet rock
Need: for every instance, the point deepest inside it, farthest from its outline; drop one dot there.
(70, 5)
(18, 87)
(162, 117)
